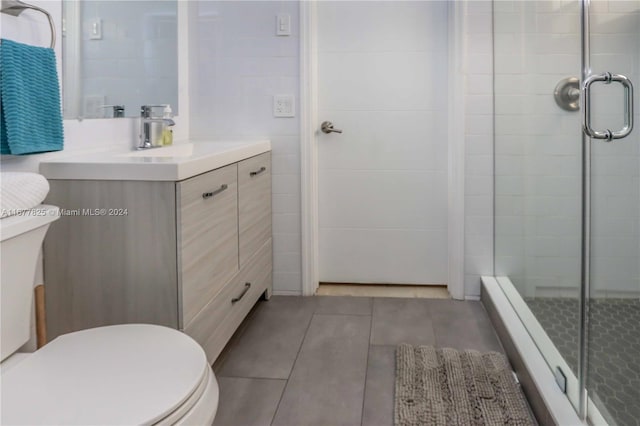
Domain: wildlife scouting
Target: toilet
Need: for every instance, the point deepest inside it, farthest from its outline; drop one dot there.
(114, 375)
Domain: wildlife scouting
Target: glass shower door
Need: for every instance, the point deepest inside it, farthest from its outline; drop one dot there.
(538, 175)
(613, 332)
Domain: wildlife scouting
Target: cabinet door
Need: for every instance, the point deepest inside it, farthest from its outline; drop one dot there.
(208, 237)
(254, 204)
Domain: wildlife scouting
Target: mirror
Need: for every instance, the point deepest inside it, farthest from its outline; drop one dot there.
(118, 54)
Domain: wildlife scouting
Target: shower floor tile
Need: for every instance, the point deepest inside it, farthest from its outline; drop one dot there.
(614, 349)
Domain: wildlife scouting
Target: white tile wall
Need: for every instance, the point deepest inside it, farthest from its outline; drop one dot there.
(616, 167)
(238, 64)
(538, 150)
(535, 145)
(478, 119)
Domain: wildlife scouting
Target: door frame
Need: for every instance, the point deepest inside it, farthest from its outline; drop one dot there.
(309, 148)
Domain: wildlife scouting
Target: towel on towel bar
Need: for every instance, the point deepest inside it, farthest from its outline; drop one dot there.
(30, 113)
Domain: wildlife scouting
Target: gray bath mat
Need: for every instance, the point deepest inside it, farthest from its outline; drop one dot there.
(449, 387)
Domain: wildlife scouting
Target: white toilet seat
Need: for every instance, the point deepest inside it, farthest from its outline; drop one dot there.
(201, 407)
(124, 374)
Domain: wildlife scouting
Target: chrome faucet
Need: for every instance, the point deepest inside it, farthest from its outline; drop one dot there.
(118, 110)
(146, 120)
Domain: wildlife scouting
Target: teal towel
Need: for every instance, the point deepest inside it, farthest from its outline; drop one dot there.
(30, 113)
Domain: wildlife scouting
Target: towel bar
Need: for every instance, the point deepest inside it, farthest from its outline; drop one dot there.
(16, 7)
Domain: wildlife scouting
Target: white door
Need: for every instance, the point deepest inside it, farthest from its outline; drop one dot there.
(382, 80)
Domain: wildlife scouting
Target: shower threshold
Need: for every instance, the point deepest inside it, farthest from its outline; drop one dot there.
(525, 341)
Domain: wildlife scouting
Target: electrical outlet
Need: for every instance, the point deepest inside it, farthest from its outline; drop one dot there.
(92, 106)
(283, 106)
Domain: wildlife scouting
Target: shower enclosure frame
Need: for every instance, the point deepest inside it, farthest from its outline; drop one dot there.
(585, 71)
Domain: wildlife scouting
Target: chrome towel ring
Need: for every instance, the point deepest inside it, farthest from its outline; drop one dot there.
(16, 7)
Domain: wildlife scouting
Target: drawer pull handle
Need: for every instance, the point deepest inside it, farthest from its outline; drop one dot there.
(257, 172)
(206, 195)
(247, 286)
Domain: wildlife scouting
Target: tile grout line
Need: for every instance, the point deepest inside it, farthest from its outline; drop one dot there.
(366, 370)
(341, 314)
(433, 327)
(293, 366)
(252, 378)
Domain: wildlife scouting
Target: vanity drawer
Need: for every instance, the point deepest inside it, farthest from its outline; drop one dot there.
(254, 204)
(207, 237)
(216, 323)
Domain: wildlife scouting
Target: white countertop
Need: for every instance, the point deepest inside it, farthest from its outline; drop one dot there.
(173, 163)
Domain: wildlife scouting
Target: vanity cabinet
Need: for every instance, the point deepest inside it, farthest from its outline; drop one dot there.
(193, 255)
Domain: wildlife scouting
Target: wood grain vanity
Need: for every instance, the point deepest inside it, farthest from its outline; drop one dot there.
(192, 254)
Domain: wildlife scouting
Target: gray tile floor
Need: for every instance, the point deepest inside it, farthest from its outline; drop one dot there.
(330, 360)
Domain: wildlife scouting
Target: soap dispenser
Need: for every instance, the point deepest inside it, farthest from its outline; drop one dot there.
(167, 133)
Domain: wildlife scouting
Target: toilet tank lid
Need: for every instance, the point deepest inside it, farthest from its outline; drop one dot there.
(27, 220)
(123, 374)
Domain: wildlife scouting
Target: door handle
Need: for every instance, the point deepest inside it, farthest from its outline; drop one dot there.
(247, 286)
(607, 134)
(206, 195)
(257, 172)
(327, 127)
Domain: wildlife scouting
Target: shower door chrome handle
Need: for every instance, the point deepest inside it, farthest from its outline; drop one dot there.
(607, 134)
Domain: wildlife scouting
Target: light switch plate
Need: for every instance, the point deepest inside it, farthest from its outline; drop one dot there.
(95, 30)
(283, 25)
(283, 106)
